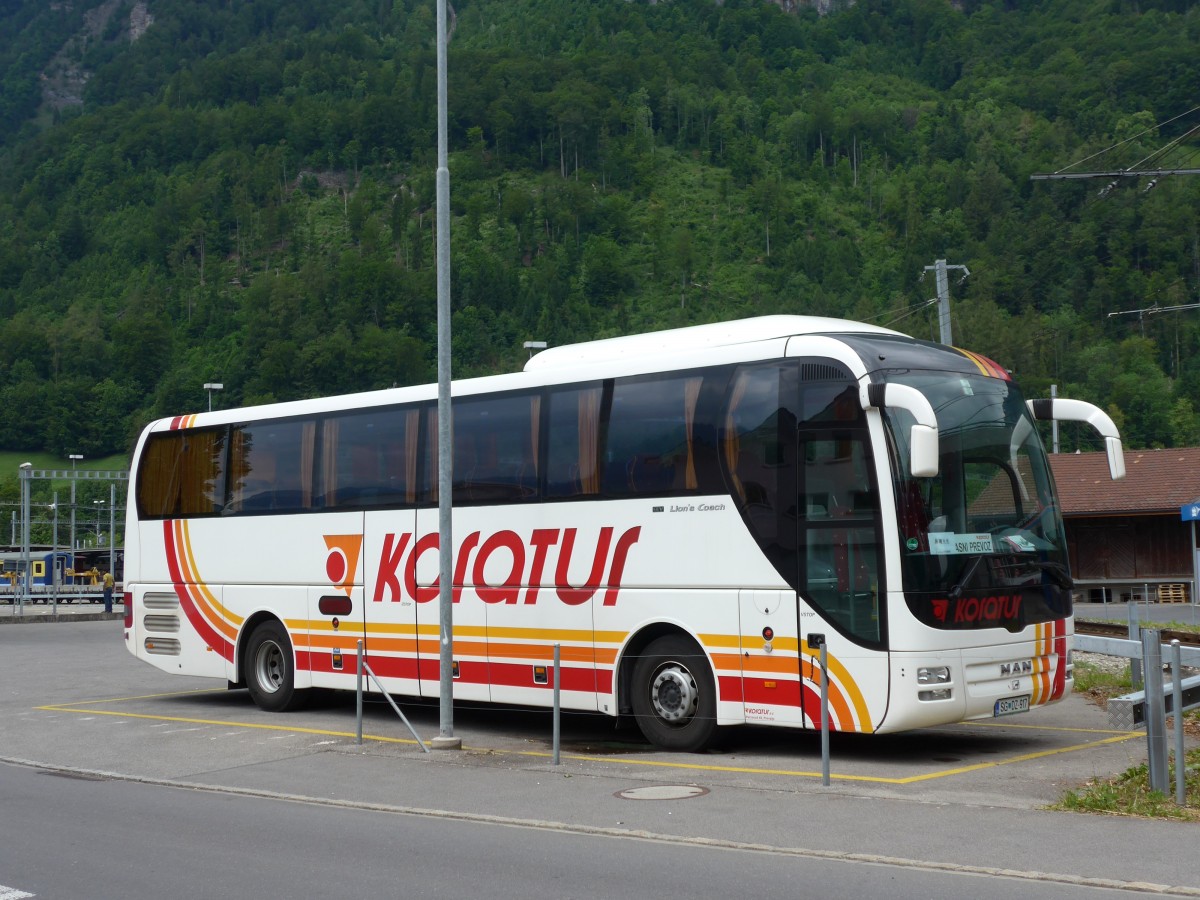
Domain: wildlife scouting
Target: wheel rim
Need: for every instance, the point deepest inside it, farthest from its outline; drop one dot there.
(268, 666)
(674, 693)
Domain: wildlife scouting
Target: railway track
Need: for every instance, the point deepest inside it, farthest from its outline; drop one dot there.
(1121, 630)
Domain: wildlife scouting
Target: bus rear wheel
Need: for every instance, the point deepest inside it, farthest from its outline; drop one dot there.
(271, 670)
(674, 695)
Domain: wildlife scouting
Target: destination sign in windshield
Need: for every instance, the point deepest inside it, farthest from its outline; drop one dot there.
(948, 543)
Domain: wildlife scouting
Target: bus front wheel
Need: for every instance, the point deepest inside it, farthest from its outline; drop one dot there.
(674, 695)
(271, 670)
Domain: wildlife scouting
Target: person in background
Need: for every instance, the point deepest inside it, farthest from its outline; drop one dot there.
(109, 581)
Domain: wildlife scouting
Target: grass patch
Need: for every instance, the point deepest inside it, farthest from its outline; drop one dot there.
(10, 461)
(1129, 794)
(1101, 683)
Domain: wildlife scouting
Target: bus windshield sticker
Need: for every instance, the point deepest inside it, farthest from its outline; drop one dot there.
(947, 543)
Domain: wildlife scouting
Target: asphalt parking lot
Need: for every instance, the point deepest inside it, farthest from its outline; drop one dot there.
(972, 794)
(1024, 762)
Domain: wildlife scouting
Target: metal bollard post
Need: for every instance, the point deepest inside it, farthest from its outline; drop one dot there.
(1135, 665)
(1177, 708)
(360, 688)
(557, 706)
(818, 640)
(1156, 714)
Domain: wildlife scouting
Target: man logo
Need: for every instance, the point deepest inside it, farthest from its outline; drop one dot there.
(341, 565)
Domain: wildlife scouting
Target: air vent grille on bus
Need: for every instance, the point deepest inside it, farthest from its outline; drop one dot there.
(162, 646)
(161, 623)
(823, 372)
(160, 601)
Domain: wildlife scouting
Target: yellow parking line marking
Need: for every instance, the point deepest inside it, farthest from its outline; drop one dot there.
(874, 779)
(1114, 737)
(225, 722)
(990, 724)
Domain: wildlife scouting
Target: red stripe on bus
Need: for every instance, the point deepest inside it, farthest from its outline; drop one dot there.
(517, 675)
(812, 709)
(729, 688)
(758, 691)
(1060, 670)
(208, 634)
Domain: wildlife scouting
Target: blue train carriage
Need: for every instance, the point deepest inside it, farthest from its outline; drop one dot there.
(46, 569)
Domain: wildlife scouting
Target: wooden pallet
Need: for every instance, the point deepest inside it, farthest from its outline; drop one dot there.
(1172, 593)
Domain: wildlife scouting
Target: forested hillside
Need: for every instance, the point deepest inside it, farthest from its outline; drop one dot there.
(245, 193)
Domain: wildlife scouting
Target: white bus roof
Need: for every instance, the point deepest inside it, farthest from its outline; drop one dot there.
(695, 337)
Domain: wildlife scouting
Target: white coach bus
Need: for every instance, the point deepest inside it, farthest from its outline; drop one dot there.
(679, 511)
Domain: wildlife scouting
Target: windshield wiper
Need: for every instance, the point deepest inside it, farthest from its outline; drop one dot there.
(968, 574)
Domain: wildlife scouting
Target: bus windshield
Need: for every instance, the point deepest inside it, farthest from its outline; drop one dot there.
(982, 543)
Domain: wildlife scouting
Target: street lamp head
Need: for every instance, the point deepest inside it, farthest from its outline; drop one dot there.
(26, 465)
(211, 386)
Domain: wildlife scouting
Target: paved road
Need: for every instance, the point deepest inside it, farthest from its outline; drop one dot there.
(965, 799)
(101, 839)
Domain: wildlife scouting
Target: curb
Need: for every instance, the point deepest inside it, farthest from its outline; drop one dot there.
(14, 618)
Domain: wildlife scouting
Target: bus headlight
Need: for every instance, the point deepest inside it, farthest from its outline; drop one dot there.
(933, 675)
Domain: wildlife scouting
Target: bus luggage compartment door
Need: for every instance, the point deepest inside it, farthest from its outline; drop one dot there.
(770, 658)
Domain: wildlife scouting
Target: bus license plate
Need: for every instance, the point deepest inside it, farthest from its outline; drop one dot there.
(1009, 705)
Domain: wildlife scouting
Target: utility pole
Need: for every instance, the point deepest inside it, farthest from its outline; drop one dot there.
(445, 739)
(945, 334)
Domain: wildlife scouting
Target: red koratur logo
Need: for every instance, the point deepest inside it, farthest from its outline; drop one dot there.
(341, 565)
(527, 559)
(1000, 608)
(939, 609)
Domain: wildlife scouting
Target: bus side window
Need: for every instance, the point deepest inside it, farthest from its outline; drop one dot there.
(651, 445)
(573, 429)
(182, 474)
(271, 464)
(495, 449)
(368, 459)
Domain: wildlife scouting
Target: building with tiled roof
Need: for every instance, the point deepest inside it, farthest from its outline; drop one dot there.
(1128, 538)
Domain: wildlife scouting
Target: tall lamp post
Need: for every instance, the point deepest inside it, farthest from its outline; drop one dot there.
(26, 473)
(445, 739)
(54, 552)
(112, 529)
(211, 386)
(74, 457)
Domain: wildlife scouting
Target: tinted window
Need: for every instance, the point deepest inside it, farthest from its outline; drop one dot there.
(271, 467)
(573, 426)
(181, 473)
(369, 459)
(650, 444)
(494, 456)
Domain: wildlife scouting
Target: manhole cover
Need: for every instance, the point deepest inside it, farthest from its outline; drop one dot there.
(663, 792)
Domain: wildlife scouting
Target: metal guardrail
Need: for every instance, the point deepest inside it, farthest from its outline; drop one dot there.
(1129, 711)
(1130, 649)
(1149, 708)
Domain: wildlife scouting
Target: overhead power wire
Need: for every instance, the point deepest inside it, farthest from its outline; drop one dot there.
(1128, 140)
